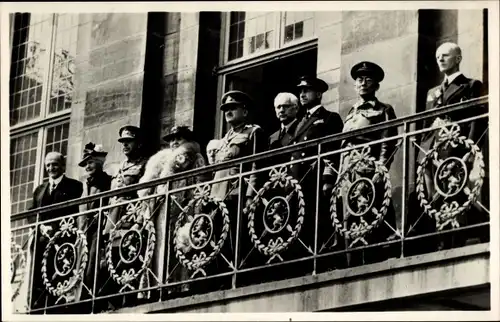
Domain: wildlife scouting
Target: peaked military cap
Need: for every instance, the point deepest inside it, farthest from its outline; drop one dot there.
(128, 133)
(179, 131)
(236, 97)
(313, 82)
(92, 150)
(366, 68)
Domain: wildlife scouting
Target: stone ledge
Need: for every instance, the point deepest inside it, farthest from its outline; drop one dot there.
(316, 281)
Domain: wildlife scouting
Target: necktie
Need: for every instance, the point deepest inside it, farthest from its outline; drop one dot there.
(445, 84)
(52, 187)
(282, 133)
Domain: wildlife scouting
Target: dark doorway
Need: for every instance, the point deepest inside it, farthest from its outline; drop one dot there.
(265, 81)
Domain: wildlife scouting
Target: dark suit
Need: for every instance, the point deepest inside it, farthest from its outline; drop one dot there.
(460, 89)
(279, 139)
(320, 124)
(66, 190)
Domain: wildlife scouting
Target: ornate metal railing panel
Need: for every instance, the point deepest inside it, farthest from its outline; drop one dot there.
(389, 198)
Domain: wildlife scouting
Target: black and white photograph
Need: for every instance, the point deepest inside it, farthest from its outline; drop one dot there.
(295, 157)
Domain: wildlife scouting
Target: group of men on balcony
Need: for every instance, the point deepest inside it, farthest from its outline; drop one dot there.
(301, 118)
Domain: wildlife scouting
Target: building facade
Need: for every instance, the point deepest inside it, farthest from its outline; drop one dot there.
(78, 78)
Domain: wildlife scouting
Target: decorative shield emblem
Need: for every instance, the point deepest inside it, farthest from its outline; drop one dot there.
(65, 258)
(282, 200)
(135, 237)
(64, 249)
(458, 171)
(195, 233)
(276, 214)
(201, 231)
(365, 188)
(450, 177)
(360, 197)
(130, 245)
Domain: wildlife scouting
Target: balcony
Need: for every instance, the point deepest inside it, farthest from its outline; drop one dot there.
(178, 246)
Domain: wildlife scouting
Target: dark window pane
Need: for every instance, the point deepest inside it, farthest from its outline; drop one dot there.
(31, 175)
(233, 33)
(50, 135)
(233, 51)
(288, 33)
(65, 131)
(64, 147)
(299, 29)
(241, 30)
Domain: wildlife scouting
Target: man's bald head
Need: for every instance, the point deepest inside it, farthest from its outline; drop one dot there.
(448, 57)
(55, 164)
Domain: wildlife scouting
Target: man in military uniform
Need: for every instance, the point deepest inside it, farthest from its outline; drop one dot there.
(130, 171)
(316, 122)
(242, 139)
(367, 111)
(455, 88)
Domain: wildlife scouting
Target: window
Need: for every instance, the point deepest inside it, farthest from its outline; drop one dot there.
(41, 94)
(251, 33)
(265, 53)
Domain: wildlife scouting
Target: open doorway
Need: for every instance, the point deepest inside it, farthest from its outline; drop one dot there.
(263, 82)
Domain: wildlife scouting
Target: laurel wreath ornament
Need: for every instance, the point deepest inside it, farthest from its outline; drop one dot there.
(197, 261)
(67, 229)
(281, 178)
(17, 253)
(361, 161)
(139, 215)
(449, 212)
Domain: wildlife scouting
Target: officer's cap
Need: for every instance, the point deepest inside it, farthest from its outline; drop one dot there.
(313, 82)
(179, 132)
(129, 133)
(235, 98)
(366, 68)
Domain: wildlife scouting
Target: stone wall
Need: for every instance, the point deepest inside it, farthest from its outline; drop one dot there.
(179, 69)
(108, 83)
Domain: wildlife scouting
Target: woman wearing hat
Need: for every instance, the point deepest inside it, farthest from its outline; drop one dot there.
(97, 181)
(369, 111)
(182, 154)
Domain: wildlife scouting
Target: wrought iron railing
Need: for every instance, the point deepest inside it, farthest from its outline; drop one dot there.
(185, 236)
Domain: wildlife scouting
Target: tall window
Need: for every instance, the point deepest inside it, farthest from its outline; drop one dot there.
(41, 94)
(251, 33)
(265, 53)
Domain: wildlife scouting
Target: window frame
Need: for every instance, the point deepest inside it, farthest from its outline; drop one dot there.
(45, 120)
(227, 67)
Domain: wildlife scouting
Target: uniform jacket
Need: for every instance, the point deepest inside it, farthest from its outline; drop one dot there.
(322, 123)
(364, 114)
(460, 89)
(67, 189)
(246, 140)
(129, 173)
